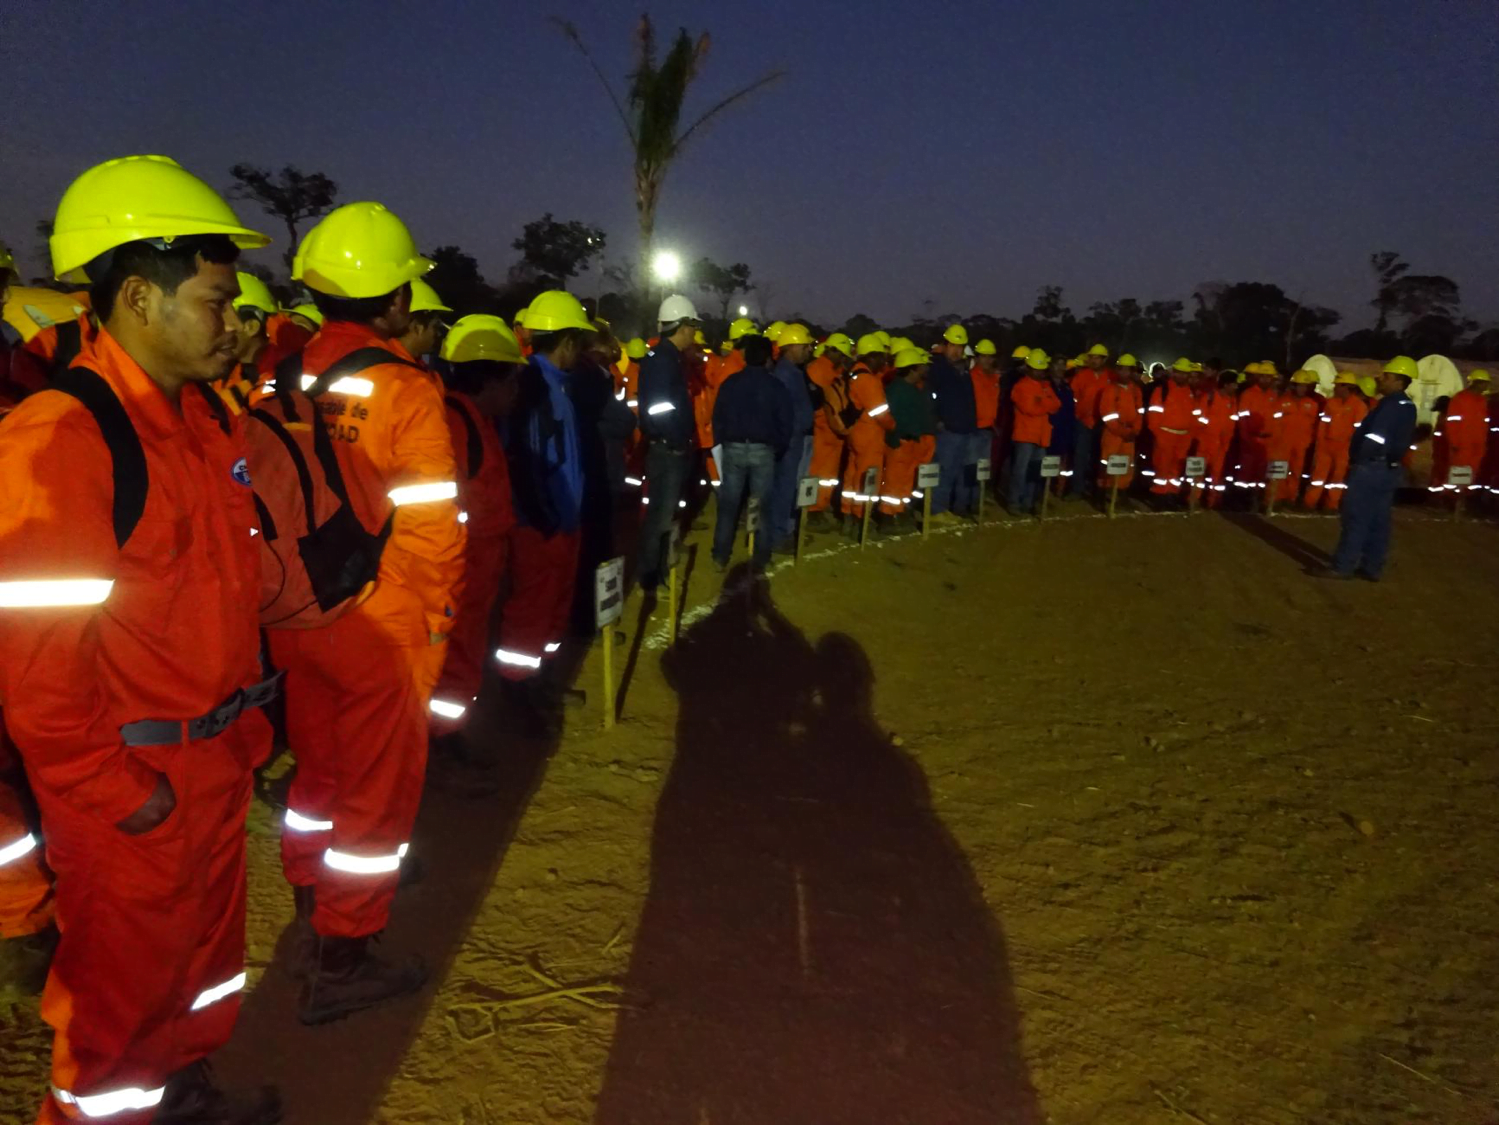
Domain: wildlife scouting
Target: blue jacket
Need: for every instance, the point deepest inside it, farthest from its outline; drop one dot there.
(541, 445)
(1385, 435)
(794, 379)
(753, 406)
(665, 404)
(1063, 419)
(953, 390)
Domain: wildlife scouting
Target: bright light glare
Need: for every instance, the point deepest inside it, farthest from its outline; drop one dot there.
(666, 265)
(744, 310)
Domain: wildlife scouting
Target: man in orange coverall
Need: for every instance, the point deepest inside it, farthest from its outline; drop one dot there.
(1034, 401)
(1340, 416)
(1121, 416)
(1258, 405)
(1467, 428)
(358, 688)
(1088, 382)
(129, 672)
(829, 373)
(870, 422)
(481, 361)
(1213, 432)
(1300, 409)
(1170, 420)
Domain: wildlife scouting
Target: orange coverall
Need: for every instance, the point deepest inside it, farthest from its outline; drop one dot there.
(358, 689)
(1121, 411)
(1339, 418)
(1257, 407)
(147, 974)
(901, 464)
(866, 437)
(1212, 434)
(1298, 425)
(284, 337)
(25, 882)
(827, 431)
(1467, 430)
(484, 499)
(1171, 424)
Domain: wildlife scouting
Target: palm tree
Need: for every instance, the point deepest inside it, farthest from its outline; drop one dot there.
(652, 110)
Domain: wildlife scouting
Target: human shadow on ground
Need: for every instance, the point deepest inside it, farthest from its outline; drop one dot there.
(814, 948)
(1306, 555)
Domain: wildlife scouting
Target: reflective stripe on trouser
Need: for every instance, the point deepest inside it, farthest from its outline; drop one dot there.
(1111, 445)
(866, 450)
(1215, 453)
(1254, 461)
(1168, 458)
(1295, 456)
(900, 471)
(542, 570)
(1329, 468)
(356, 719)
(827, 459)
(468, 652)
(151, 925)
(25, 884)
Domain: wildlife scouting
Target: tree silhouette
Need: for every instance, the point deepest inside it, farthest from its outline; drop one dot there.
(557, 251)
(291, 195)
(722, 281)
(1388, 267)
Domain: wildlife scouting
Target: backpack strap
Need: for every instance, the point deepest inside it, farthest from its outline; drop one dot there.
(216, 407)
(475, 442)
(128, 457)
(304, 474)
(69, 344)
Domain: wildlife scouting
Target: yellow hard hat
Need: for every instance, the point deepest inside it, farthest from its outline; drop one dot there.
(794, 334)
(1184, 365)
(555, 310)
(1478, 375)
(636, 348)
(358, 250)
(1126, 360)
(1368, 385)
(1304, 376)
(1345, 379)
(956, 334)
(308, 311)
(871, 344)
(911, 357)
(1021, 352)
(985, 347)
(1099, 349)
(425, 299)
(883, 336)
(1403, 365)
(1037, 359)
(840, 342)
(480, 336)
(1074, 362)
(133, 198)
(774, 329)
(699, 339)
(254, 293)
(1267, 367)
(898, 344)
(744, 326)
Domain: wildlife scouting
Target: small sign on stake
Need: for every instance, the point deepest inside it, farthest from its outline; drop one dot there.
(984, 469)
(752, 517)
(674, 547)
(608, 592)
(870, 486)
(1118, 465)
(1051, 467)
(929, 475)
(1280, 470)
(1459, 476)
(806, 492)
(1197, 468)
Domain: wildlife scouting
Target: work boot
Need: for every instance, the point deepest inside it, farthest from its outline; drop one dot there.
(193, 1098)
(349, 978)
(453, 770)
(303, 953)
(25, 962)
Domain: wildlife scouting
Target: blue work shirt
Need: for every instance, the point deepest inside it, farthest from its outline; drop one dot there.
(665, 404)
(753, 406)
(1063, 418)
(794, 379)
(1384, 437)
(541, 445)
(953, 390)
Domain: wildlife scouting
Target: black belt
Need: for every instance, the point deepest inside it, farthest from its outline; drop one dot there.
(173, 732)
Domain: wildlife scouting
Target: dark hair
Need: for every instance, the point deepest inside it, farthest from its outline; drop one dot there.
(545, 343)
(357, 310)
(756, 350)
(1405, 382)
(1216, 363)
(164, 268)
(470, 377)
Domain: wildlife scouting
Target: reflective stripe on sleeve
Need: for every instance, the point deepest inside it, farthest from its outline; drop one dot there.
(1454, 417)
(299, 823)
(219, 991)
(1110, 417)
(348, 385)
(424, 493)
(46, 593)
(661, 408)
(552, 646)
(365, 864)
(519, 659)
(880, 409)
(446, 708)
(110, 1103)
(1376, 437)
(17, 848)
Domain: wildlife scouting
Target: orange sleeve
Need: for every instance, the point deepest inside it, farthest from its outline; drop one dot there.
(868, 394)
(425, 551)
(58, 716)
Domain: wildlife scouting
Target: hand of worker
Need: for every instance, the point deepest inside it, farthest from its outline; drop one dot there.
(436, 638)
(158, 807)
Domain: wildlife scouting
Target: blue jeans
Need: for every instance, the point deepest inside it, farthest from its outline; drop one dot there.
(1365, 514)
(1025, 475)
(1084, 457)
(666, 469)
(955, 491)
(747, 471)
(779, 516)
(980, 447)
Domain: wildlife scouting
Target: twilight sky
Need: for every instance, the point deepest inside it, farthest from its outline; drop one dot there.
(961, 152)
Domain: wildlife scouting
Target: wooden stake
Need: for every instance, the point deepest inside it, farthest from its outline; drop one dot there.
(675, 609)
(1113, 495)
(609, 675)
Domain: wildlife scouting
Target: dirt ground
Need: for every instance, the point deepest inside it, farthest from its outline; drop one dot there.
(1123, 822)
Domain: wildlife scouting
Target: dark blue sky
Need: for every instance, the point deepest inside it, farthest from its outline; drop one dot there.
(964, 152)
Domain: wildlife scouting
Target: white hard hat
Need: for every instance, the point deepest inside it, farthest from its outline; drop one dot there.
(675, 309)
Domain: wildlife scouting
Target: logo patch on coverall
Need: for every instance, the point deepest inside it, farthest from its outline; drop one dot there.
(241, 472)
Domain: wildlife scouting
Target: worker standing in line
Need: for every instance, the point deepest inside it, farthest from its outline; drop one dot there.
(868, 420)
(912, 440)
(1258, 404)
(753, 419)
(480, 363)
(986, 391)
(1170, 419)
(1088, 383)
(129, 582)
(1063, 421)
(1490, 477)
(957, 413)
(1121, 417)
(1300, 409)
(1340, 416)
(358, 689)
(667, 424)
(1213, 413)
(424, 333)
(1034, 402)
(253, 309)
(1374, 474)
(829, 374)
(1467, 427)
(795, 353)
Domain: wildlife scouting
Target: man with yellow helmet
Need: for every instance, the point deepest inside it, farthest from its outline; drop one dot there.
(1258, 405)
(957, 410)
(829, 374)
(1467, 426)
(1340, 417)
